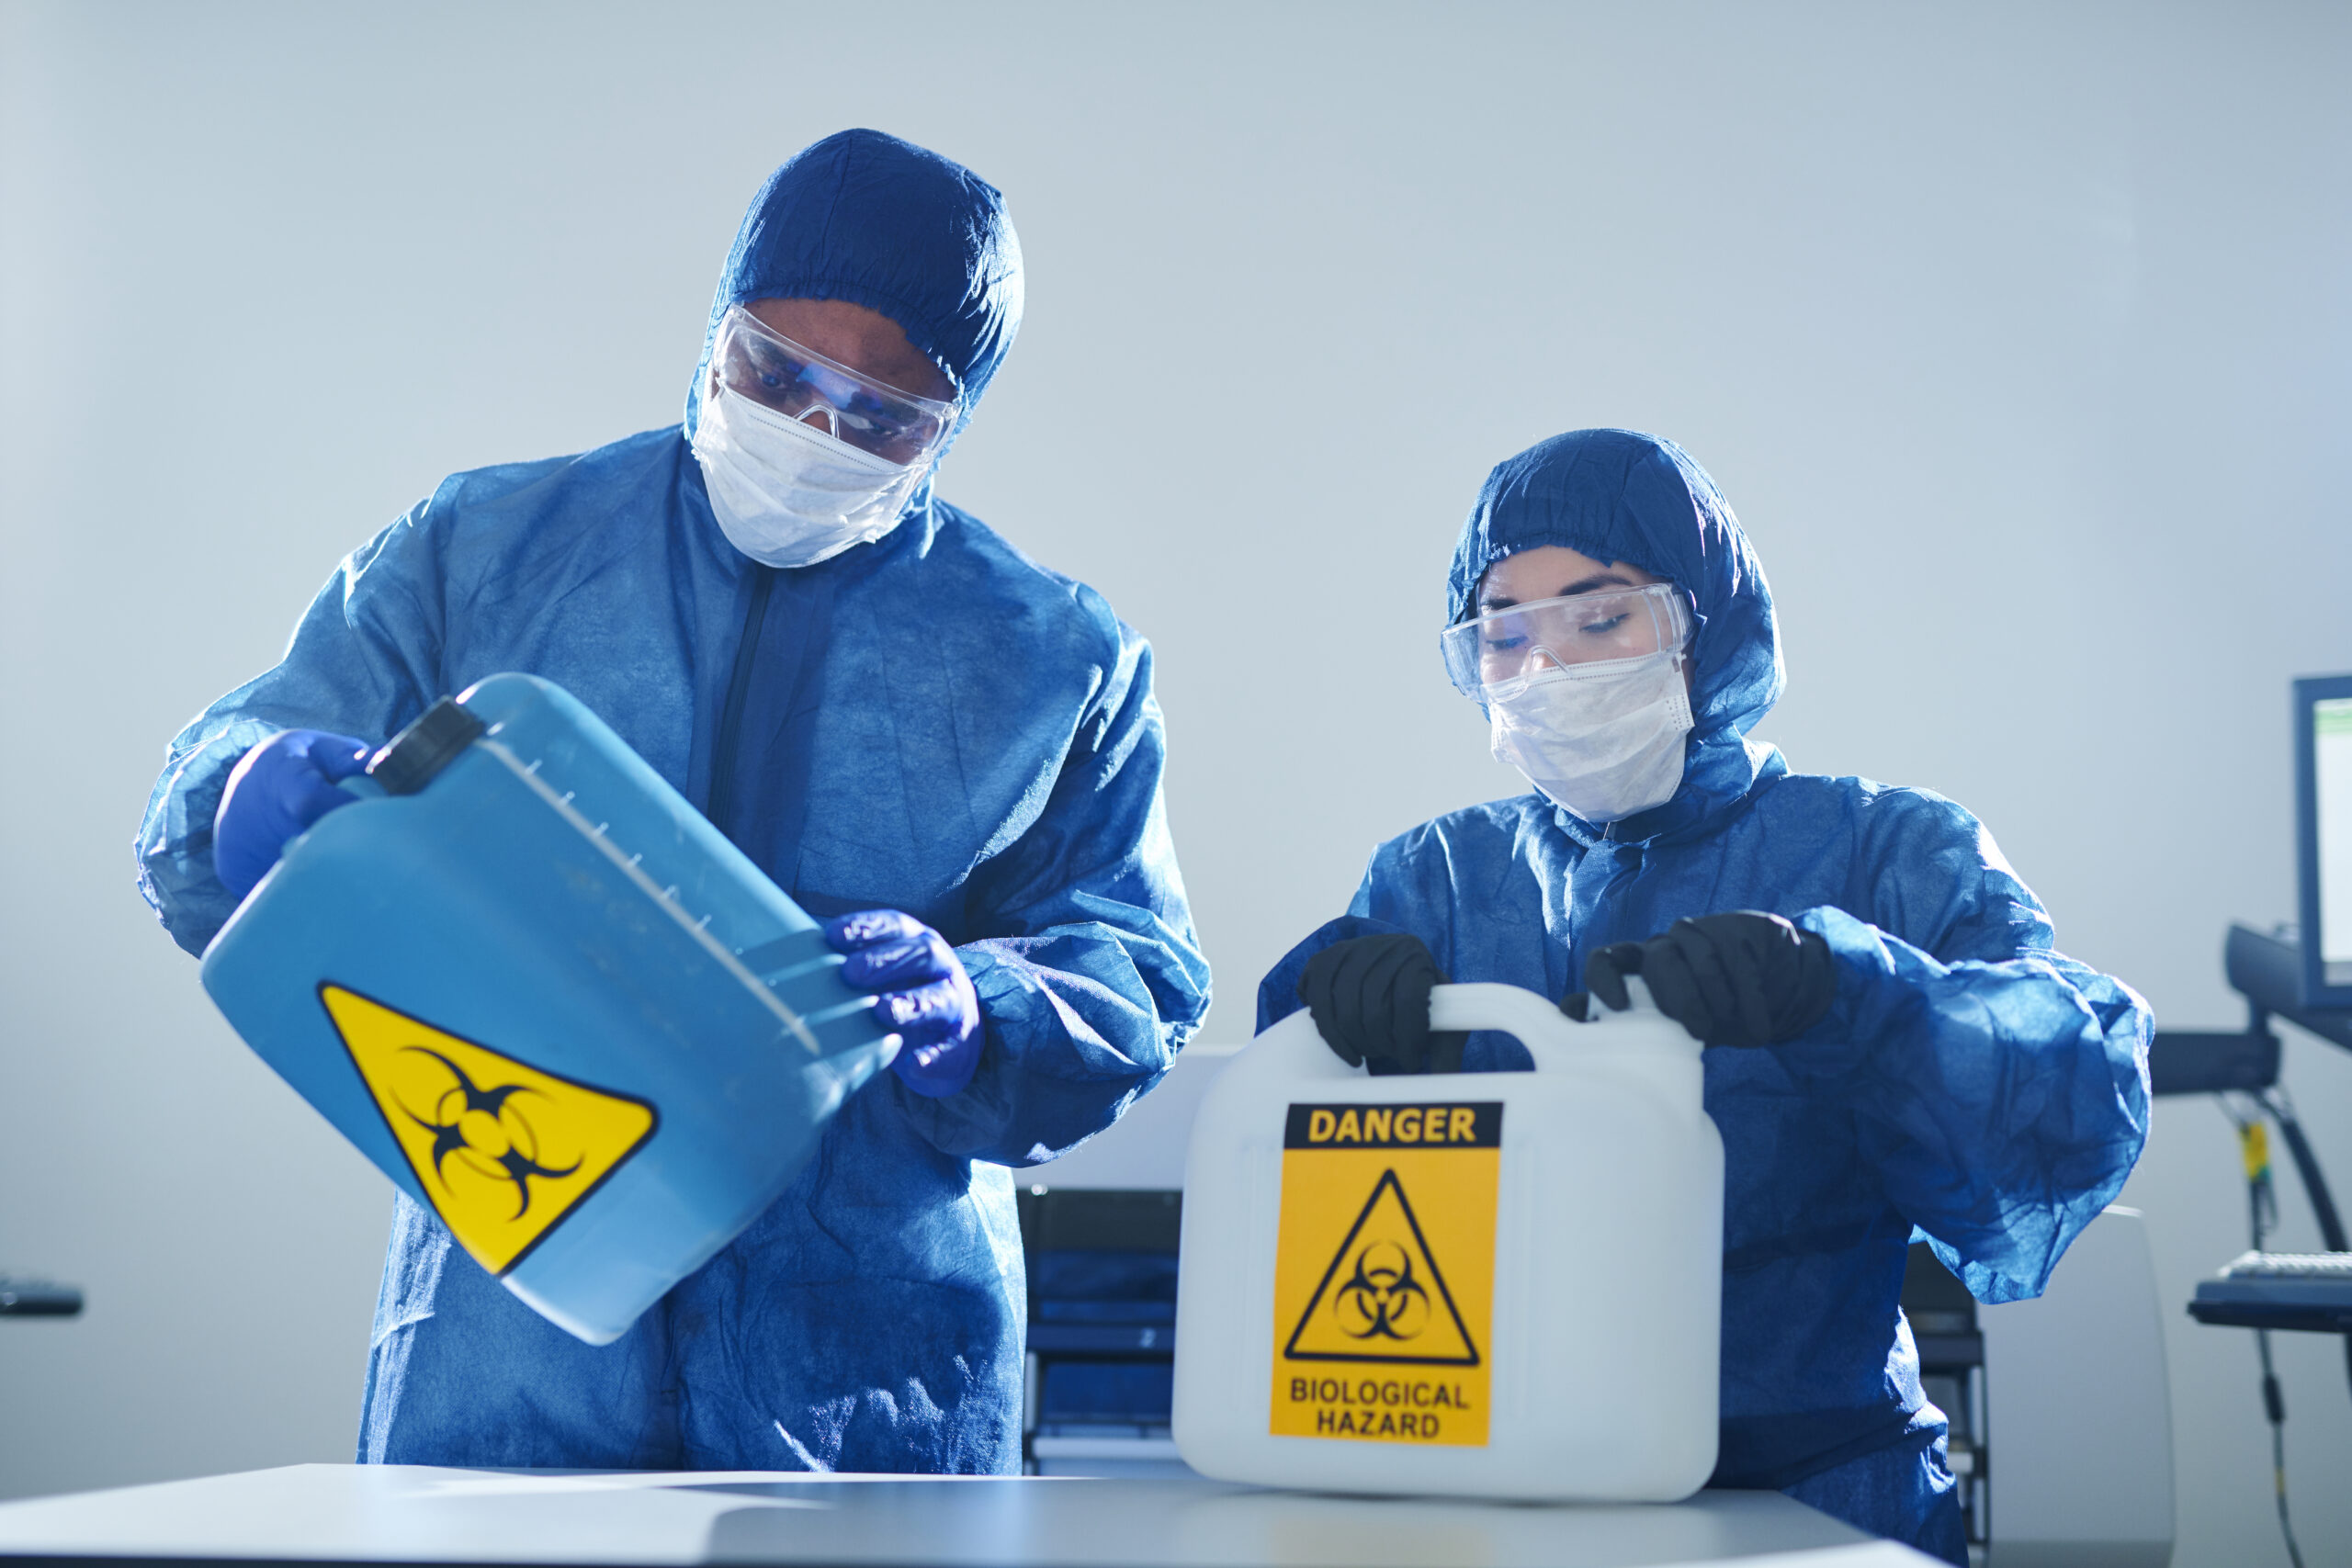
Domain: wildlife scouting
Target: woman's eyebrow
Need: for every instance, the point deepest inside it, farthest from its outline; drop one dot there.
(1487, 605)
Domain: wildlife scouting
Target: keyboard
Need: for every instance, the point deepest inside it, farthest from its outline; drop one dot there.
(2290, 1266)
(2310, 1290)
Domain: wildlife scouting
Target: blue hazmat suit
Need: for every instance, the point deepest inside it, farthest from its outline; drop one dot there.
(1970, 1085)
(931, 723)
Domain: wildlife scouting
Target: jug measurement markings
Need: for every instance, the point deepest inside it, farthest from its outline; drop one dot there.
(718, 951)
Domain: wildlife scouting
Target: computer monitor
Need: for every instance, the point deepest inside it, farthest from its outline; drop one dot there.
(2323, 836)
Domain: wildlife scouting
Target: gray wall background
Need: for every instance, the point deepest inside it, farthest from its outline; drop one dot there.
(2017, 335)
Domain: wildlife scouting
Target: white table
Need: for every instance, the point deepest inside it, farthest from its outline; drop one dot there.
(379, 1514)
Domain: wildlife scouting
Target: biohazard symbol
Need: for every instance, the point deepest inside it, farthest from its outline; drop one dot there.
(503, 1150)
(488, 1130)
(1382, 1298)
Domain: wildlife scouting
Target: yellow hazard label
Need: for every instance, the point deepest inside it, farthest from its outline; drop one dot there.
(1385, 1272)
(504, 1150)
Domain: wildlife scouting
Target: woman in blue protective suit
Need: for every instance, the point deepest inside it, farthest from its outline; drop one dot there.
(1903, 1046)
(949, 751)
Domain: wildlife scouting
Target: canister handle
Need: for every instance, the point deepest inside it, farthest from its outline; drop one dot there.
(1533, 1020)
(1552, 1038)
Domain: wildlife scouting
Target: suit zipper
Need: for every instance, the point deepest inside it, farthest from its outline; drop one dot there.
(739, 691)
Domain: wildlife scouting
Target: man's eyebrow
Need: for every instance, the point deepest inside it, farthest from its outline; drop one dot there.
(1488, 606)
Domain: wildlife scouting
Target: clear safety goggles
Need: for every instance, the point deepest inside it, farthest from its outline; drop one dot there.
(1507, 646)
(768, 367)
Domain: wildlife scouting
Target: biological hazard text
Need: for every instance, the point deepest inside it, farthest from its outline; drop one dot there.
(1384, 1278)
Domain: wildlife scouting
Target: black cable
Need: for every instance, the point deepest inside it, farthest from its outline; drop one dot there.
(2262, 1211)
(2331, 1224)
(2330, 1227)
(2274, 1405)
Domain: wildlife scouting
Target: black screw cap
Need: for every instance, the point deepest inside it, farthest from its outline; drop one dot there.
(414, 757)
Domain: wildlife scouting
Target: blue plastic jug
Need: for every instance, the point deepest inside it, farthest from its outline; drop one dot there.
(549, 1000)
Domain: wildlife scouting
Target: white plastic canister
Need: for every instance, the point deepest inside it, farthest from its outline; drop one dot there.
(1477, 1284)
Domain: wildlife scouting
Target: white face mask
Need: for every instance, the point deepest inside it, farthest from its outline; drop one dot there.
(788, 494)
(1605, 740)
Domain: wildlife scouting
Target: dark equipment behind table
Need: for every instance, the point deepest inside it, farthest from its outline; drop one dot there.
(1951, 1371)
(22, 1296)
(2266, 1292)
(1101, 1317)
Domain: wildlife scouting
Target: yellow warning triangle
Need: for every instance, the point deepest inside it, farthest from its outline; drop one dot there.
(1382, 1298)
(503, 1150)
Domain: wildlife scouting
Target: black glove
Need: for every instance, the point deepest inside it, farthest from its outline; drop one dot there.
(1370, 996)
(1745, 978)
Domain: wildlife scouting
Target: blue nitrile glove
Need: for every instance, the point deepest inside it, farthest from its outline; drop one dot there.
(277, 790)
(926, 996)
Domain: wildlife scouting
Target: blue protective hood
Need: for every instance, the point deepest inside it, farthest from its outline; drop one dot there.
(886, 224)
(1621, 495)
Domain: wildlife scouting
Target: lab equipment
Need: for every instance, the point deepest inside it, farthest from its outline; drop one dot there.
(1496, 652)
(2255, 1304)
(2322, 714)
(2277, 972)
(1370, 998)
(1946, 1331)
(1101, 1339)
(2266, 967)
(1740, 978)
(276, 791)
(2300, 971)
(1399, 1284)
(2207, 1061)
(1099, 1228)
(22, 1295)
(2308, 1291)
(2077, 1479)
(549, 1000)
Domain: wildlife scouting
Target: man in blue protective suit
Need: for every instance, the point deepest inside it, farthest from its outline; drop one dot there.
(1903, 1047)
(950, 751)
